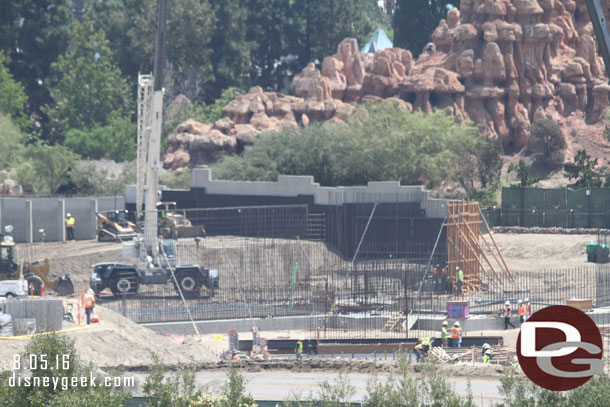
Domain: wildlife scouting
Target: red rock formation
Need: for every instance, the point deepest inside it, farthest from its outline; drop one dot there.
(495, 62)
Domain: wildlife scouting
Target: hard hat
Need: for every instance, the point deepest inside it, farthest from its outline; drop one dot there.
(445, 323)
(527, 300)
(90, 291)
(485, 345)
(507, 303)
(457, 323)
(421, 339)
(520, 301)
(299, 340)
(68, 214)
(515, 359)
(488, 352)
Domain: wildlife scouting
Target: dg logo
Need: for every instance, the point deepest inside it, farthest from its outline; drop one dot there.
(560, 348)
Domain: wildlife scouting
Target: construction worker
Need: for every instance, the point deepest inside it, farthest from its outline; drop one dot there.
(528, 309)
(444, 333)
(299, 349)
(507, 313)
(89, 303)
(521, 310)
(456, 335)
(488, 356)
(488, 353)
(436, 273)
(459, 280)
(69, 226)
(444, 280)
(515, 363)
(422, 348)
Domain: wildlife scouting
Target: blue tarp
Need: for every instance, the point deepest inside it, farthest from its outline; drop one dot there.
(378, 42)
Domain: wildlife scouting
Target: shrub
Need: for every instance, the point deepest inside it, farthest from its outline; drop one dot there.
(547, 142)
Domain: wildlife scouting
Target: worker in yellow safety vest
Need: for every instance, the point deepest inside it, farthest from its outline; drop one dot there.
(459, 280)
(89, 303)
(507, 314)
(299, 349)
(70, 221)
(444, 333)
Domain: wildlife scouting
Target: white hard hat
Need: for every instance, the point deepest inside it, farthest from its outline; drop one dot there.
(520, 301)
(485, 345)
(515, 359)
(488, 352)
(457, 323)
(90, 291)
(445, 323)
(527, 300)
(507, 303)
(68, 214)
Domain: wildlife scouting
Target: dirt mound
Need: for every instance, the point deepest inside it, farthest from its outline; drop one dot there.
(117, 341)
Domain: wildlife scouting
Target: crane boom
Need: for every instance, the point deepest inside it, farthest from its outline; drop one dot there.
(150, 123)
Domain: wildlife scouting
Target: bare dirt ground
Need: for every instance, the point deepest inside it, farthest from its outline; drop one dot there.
(118, 341)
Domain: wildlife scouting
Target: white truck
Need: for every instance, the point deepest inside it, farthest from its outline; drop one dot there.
(13, 288)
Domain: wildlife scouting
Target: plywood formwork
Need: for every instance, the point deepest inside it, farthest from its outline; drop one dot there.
(468, 249)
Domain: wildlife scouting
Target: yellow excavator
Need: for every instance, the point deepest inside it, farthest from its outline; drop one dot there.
(113, 226)
(36, 273)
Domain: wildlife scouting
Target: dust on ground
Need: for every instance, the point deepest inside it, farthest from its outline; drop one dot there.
(117, 341)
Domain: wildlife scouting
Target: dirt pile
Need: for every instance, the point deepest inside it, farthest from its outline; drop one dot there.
(117, 341)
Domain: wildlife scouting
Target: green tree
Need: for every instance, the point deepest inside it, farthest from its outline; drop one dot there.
(87, 88)
(586, 171)
(90, 181)
(547, 142)
(45, 167)
(180, 179)
(523, 173)
(115, 141)
(489, 160)
(56, 349)
(232, 46)
(189, 29)
(13, 99)
(414, 22)
(33, 33)
(12, 141)
(380, 142)
(322, 24)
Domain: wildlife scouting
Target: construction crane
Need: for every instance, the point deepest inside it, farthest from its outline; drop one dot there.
(157, 257)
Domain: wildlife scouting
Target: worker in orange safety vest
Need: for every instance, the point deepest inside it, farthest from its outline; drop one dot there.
(456, 335)
(528, 309)
(521, 311)
(89, 303)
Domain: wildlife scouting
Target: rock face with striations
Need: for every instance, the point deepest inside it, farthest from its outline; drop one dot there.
(498, 63)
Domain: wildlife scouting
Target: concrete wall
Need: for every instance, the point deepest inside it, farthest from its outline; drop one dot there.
(48, 313)
(29, 215)
(293, 186)
(82, 210)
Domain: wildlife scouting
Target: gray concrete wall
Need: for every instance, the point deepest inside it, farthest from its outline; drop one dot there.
(110, 203)
(29, 215)
(82, 210)
(45, 215)
(14, 211)
(292, 186)
(48, 313)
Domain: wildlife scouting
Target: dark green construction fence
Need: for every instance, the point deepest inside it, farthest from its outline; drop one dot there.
(564, 208)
